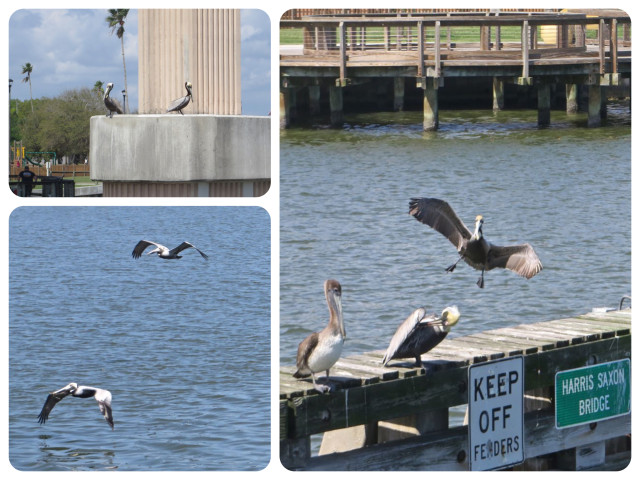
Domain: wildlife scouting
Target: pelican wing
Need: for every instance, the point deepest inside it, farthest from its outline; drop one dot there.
(404, 331)
(113, 105)
(52, 399)
(178, 104)
(185, 245)
(141, 246)
(103, 397)
(304, 351)
(441, 217)
(521, 259)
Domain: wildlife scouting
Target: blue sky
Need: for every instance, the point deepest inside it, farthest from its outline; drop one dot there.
(75, 48)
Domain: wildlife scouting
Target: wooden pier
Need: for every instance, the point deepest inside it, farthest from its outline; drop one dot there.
(397, 417)
(535, 50)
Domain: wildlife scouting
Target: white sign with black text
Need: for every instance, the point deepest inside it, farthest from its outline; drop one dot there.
(496, 422)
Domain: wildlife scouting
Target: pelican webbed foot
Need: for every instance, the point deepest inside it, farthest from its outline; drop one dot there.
(451, 268)
(480, 281)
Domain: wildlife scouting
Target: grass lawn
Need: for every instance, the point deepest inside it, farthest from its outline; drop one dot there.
(293, 36)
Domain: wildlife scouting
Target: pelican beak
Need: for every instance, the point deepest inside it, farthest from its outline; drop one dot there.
(478, 231)
(338, 300)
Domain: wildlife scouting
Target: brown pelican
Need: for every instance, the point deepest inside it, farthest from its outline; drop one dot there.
(321, 350)
(111, 103)
(162, 251)
(419, 333)
(103, 397)
(473, 248)
(180, 103)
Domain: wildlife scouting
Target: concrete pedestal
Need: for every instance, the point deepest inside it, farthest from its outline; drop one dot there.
(193, 150)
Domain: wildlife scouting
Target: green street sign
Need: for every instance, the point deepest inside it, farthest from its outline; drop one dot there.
(589, 394)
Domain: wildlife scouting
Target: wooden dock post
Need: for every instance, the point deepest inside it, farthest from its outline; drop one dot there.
(594, 118)
(430, 116)
(498, 94)
(335, 104)
(572, 98)
(314, 99)
(287, 104)
(398, 94)
(544, 105)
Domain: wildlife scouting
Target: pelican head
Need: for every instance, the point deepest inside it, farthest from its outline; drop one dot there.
(188, 86)
(450, 316)
(109, 87)
(477, 234)
(72, 387)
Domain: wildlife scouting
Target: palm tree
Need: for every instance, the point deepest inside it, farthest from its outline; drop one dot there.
(116, 20)
(28, 68)
(98, 87)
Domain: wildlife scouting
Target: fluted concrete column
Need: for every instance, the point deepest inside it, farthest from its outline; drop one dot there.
(197, 45)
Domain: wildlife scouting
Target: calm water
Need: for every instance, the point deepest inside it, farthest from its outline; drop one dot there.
(183, 345)
(344, 215)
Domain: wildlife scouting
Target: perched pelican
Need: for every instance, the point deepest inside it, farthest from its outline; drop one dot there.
(111, 103)
(180, 103)
(162, 251)
(321, 350)
(419, 333)
(473, 248)
(103, 397)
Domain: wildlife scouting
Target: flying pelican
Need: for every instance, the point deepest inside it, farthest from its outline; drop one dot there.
(162, 251)
(419, 333)
(180, 103)
(103, 397)
(473, 248)
(111, 103)
(321, 350)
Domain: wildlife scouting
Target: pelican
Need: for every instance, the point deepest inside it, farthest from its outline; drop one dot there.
(473, 248)
(111, 103)
(162, 251)
(321, 350)
(419, 333)
(180, 103)
(103, 397)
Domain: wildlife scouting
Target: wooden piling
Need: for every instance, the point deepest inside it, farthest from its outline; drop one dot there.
(544, 105)
(430, 114)
(398, 94)
(336, 106)
(572, 98)
(498, 94)
(314, 99)
(595, 106)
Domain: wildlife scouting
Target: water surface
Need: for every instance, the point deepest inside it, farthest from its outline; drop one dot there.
(344, 214)
(183, 345)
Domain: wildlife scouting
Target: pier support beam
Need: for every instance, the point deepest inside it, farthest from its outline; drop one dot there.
(287, 106)
(594, 118)
(398, 94)
(498, 94)
(430, 120)
(314, 99)
(572, 98)
(544, 105)
(335, 104)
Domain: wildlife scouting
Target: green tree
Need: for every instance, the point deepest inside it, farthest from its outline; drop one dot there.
(28, 68)
(62, 124)
(116, 19)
